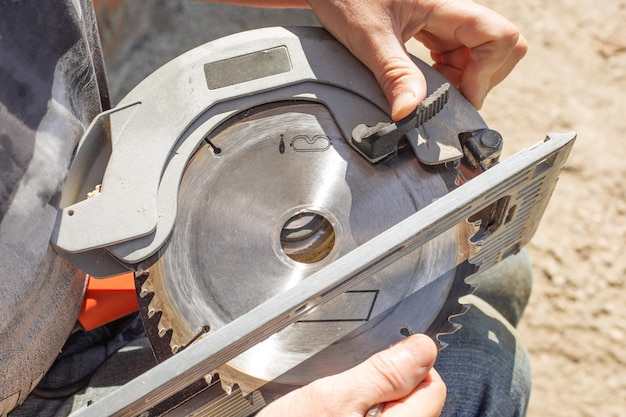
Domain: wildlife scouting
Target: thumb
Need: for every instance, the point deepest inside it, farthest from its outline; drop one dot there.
(402, 82)
(389, 375)
(375, 38)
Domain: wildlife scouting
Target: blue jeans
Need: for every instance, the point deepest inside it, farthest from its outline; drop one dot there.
(485, 365)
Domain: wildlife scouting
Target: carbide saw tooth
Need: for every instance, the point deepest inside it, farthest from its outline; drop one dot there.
(153, 302)
(208, 378)
(154, 307)
(464, 309)
(454, 308)
(448, 328)
(232, 376)
(446, 331)
(227, 386)
(146, 289)
(246, 390)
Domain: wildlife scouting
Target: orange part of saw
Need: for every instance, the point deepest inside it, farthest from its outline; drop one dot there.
(107, 300)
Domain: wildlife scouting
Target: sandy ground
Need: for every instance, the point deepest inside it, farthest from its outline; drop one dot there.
(573, 78)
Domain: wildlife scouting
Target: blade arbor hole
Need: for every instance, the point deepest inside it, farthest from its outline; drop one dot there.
(307, 237)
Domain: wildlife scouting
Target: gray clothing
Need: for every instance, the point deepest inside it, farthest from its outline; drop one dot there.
(51, 86)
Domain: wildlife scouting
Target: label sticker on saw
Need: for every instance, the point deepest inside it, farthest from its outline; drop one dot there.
(240, 69)
(349, 306)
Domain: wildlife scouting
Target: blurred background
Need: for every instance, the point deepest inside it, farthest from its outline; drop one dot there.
(573, 78)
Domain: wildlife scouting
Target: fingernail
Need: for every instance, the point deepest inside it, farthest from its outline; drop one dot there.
(403, 105)
(419, 348)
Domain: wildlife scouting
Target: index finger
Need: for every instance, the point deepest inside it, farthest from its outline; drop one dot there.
(495, 49)
(494, 45)
(426, 400)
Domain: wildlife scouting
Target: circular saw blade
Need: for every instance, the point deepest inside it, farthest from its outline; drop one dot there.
(273, 197)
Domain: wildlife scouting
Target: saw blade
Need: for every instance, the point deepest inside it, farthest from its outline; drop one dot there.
(273, 197)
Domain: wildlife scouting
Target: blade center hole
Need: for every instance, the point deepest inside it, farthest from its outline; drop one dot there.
(307, 237)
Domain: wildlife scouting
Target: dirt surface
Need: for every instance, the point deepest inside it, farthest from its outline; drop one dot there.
(573, 78)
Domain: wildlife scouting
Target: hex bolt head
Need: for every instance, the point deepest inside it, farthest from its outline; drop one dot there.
(490, 138)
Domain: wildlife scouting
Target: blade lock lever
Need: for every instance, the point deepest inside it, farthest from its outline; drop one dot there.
(381, 140)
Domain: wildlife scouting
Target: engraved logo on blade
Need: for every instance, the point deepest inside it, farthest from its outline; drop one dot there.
(303, 143)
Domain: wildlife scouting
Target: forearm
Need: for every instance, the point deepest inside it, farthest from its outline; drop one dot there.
(299, 4)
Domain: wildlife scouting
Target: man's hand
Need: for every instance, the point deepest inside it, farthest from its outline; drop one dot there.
(473, 46)
(402, 377)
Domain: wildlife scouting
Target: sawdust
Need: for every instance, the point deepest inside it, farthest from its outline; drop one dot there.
(573, 78)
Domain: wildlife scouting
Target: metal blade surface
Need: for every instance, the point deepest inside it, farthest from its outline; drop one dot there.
(278, 195)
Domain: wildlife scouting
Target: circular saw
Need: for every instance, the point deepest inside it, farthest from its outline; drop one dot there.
(281, 227)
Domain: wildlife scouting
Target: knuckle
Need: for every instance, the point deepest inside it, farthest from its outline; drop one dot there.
(521, 47)
(388, 372)
(393, 73)
(508, 37)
